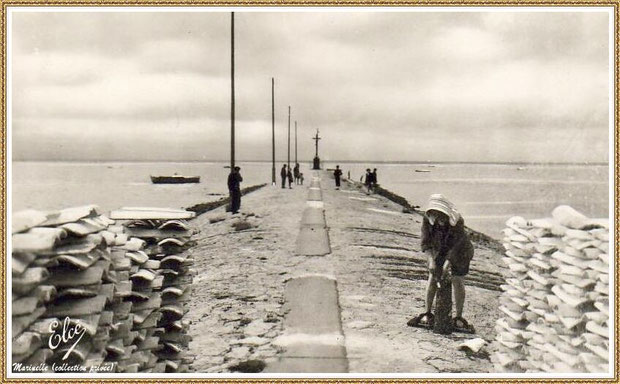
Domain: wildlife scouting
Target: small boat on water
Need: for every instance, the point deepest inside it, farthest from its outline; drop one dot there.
(422, 170)
(175, 179)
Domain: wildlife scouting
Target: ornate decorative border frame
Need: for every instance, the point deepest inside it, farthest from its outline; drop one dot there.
(5, 4)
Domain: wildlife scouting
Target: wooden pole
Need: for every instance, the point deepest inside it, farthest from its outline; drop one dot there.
(288, 158)
(273, 134)
(295, 142)
(232, 91)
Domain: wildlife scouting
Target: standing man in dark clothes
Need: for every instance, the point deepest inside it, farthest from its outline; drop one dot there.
(234, 189)
(337, 174)
(296, 173)
(289, 174)
(374, 178)
(283, 175)
(368, 180)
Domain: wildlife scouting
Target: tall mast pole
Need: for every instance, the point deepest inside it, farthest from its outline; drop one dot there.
(232, 91)
(273, 134)
(295, 142)
(288, 159)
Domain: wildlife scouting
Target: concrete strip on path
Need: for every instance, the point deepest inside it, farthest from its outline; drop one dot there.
(313, 241)
(384, 211)
(313, 217)
(362, 198)
(315, 204)
(313, 338)
(315, 195)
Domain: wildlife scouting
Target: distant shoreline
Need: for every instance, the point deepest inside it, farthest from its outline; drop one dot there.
(518, 163)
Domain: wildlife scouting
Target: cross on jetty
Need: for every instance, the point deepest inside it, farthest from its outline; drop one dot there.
(317, 161)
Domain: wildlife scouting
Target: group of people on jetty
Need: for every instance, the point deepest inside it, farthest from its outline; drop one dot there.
(295, 175)
(444, 240)
(370, 179)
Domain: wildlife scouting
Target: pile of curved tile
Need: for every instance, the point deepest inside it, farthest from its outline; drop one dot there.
(161, 281)
(556, 300)
(75, 270)
(61, 276)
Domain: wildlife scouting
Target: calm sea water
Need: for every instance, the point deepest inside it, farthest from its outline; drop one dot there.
(54, 185)
(486, 194)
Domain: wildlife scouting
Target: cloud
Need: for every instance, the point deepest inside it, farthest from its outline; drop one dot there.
(467, 44)
(183, 56)
(111, 33)
(126, 94)
(479, 86)
(549, 35)
(45, 69)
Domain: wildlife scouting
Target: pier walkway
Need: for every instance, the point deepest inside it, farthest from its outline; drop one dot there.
(314, 279)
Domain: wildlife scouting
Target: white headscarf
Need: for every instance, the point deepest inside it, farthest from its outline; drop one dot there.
(438, 202)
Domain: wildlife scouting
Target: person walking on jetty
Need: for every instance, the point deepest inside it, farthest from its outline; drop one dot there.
(337, 174)
(296, 173)
(234, 189)
(283, 175)
(301, 178)
(449, 250)
(289, 174)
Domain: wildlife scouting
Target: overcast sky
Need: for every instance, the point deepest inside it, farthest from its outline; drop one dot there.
(398, 86)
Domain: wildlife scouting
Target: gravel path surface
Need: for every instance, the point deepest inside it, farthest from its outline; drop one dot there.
(244, 260)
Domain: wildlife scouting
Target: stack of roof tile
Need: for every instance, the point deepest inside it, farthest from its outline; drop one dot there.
(121, 289)
(556, 300)
(161, 278)
(61, 277)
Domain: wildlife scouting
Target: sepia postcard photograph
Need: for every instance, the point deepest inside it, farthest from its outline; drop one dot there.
(367, 192)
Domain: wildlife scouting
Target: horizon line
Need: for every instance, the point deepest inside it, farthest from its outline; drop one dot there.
(323, 161)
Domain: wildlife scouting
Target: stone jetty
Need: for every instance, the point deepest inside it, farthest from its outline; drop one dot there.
(316, 279)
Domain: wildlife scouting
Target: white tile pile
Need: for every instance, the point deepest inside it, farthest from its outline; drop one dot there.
(556, 300)
(76, 267)
(162, 280)
(61, 277)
